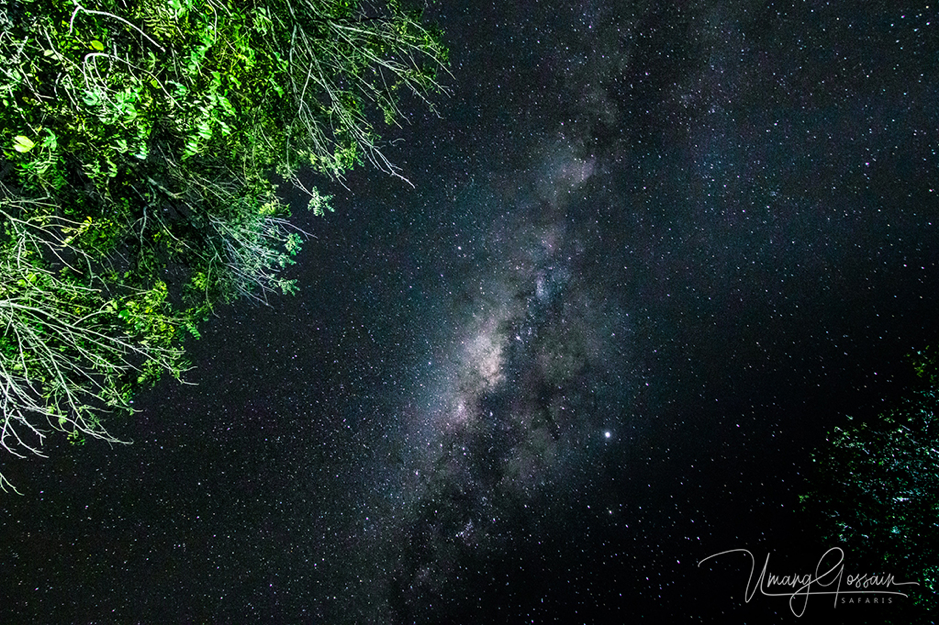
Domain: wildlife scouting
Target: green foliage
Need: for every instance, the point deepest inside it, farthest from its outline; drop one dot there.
(70, 353)
(876, 487)
(138, 141)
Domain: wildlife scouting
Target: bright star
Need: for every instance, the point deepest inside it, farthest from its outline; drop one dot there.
(607, 434)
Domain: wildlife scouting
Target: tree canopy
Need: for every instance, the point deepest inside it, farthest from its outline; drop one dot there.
(875, 489)
(142, 146)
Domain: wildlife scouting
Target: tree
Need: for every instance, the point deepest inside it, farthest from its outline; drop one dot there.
(876, 488)
(142, 142)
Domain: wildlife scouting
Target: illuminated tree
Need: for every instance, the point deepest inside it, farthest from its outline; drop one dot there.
(141, 143)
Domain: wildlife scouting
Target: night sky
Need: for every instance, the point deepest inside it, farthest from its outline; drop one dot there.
(654, 251)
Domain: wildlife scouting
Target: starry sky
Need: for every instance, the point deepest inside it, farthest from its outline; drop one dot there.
(653, 252)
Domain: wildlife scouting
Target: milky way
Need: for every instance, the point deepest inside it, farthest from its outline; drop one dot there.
(507, 416)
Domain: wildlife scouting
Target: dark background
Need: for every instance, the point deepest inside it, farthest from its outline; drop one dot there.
(705, 228)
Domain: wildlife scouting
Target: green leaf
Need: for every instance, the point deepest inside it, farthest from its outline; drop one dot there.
(22, 144)
(97, 45)
(91, 98)
(51, 141)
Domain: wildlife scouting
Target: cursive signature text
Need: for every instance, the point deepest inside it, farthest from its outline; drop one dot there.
(830, 581)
